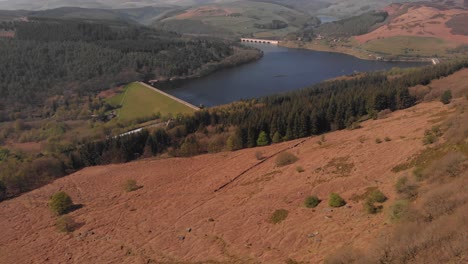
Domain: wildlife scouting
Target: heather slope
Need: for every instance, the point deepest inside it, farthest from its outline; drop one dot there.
(178, 217)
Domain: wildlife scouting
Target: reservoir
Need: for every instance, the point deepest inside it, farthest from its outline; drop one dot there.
(280, 70)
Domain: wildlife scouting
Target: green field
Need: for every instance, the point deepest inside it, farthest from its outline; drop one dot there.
(409, 46)
(248, 14)
(138, 101)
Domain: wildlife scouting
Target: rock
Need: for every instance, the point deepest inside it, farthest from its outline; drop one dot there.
(181, 238)
(189, 229)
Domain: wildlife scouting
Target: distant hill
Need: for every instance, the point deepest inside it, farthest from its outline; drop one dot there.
(106, 4)
(142, 15)
(245, 18)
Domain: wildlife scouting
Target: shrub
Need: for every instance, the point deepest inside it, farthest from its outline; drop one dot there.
(131, 185)
(429, 139)
(234, 142)
(376, 196)
(60, 203)
(312, 201)
(285, 158)
(65, 224)
(259, 155)
(335, 200)
(387, 139)
(300, 169)
(279, 215)
(405, 188)
(378, 140)
(398, 210)
(446, 97)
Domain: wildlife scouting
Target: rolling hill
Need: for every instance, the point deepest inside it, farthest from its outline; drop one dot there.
(245, 18)
(418, 29)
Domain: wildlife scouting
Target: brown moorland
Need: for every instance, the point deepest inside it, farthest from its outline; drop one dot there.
(420, 21)
(218, 207)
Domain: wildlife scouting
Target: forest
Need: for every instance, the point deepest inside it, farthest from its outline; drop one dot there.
(49, 57)
(352, 26)
(274, 24)
(324, 107)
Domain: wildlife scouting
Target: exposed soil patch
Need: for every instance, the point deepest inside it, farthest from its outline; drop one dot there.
(111, 92)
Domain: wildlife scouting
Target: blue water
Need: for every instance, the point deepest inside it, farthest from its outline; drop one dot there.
(280, 70)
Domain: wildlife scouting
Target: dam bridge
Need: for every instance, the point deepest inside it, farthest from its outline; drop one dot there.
(265, 41)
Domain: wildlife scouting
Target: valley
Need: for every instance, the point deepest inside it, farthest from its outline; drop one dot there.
(233, 131)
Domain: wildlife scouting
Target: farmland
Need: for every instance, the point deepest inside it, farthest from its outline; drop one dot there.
(238, 19)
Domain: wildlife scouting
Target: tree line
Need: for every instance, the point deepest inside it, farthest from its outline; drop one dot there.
(324, 107)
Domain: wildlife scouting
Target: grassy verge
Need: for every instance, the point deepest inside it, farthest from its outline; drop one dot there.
(138, 101)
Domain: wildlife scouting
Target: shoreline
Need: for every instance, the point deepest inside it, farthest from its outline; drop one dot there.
(349, 51)
(240, 57)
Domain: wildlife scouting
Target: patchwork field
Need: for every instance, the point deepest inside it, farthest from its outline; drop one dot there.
(236, 19)
(138, 101)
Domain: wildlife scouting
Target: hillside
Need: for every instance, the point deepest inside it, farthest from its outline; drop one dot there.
(217, 208)
(421, 30)
(244, 18)
(408, 31)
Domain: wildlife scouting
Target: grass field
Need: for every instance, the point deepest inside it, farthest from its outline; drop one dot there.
(138, 101)
(409, 46)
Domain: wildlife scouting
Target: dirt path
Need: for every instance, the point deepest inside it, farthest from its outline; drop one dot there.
(258, 164)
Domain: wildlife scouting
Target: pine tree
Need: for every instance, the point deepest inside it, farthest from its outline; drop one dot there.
(276, 137)
(262, 139)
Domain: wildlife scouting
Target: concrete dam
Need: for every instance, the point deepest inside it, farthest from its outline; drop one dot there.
(265, 41)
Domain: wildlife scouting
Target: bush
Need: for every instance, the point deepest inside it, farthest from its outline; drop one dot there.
(300, 169)
(405, 188)
(446, 97)
(279, 216)
(285, 158)
(259, 155)
(376, 196)
(378, 140)
(387, 139)
(131, 185)
(312, 201)
(65, 224)
(398, 210)
(60, 203)
(335, 200)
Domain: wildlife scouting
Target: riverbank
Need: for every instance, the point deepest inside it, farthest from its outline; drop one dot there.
(348, 47)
